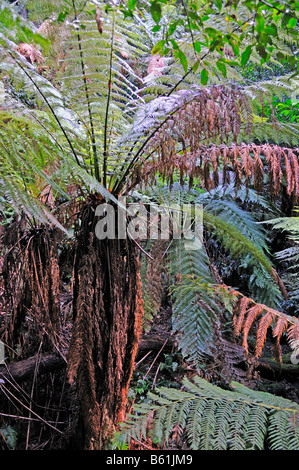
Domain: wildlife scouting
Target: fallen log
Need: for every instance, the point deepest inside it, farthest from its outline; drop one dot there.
(49, 362)
(155, 342)
(22, 370)
(268, 367)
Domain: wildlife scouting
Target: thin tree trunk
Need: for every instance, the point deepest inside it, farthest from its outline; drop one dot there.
(107, 327)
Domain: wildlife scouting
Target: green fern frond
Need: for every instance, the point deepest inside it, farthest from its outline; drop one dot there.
(261, 283)
(194, 309)
(227, 209)
(40, 10)
(234, 241)
(251, 253)
(212, 418)
(194, 303)
(290, 224)
(259, 93)
(282, 133)
(280, 86)
(289, 257)
(98, 88)
(247, 198)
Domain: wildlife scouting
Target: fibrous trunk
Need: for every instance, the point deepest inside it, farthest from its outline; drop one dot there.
(107, 325)
(31, 288)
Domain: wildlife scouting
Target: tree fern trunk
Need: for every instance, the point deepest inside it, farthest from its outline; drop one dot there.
(107, 326)
(31, 286)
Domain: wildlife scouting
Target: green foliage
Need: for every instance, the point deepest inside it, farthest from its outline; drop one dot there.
(269, 98)
(212, 418)
(244, 245)
(195, 304)
(224, 204)
(10, 436)
(248, 28)
(91, 124)
(289, 257)
(41, 10)
(285, 111)
(170, 363)
(78, 124)
(194, 308)
(235, 242)
(118, 442)
(16, 28)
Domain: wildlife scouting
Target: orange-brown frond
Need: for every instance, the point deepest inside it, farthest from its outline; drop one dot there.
(293, 334)
(289, 175)
(280, 327)
(252, 314)
(280, 284)
(295, 169)
(239, 313)
(247, 161)
(261, 333)
(258, 171)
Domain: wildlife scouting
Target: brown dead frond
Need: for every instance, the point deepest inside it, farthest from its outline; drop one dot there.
(219, 114)
(249, 315)
(31, 53)
(246, 163)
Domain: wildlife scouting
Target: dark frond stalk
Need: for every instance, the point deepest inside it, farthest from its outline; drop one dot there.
(188, 20)
(121, 182)
(288, 11)
(50, 107)
(93, 140)
(105, 153)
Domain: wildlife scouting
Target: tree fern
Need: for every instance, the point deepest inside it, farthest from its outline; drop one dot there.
(101, 94)
(212, 418)
(56, 128)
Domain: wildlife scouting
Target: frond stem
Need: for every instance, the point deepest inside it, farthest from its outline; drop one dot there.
(105, 153)
(50, 107)
(139, 151)
(93, 140)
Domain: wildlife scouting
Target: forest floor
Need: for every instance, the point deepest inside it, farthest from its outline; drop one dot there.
(39, 412)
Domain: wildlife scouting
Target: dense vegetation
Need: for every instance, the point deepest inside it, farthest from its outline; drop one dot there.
(149, 342)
